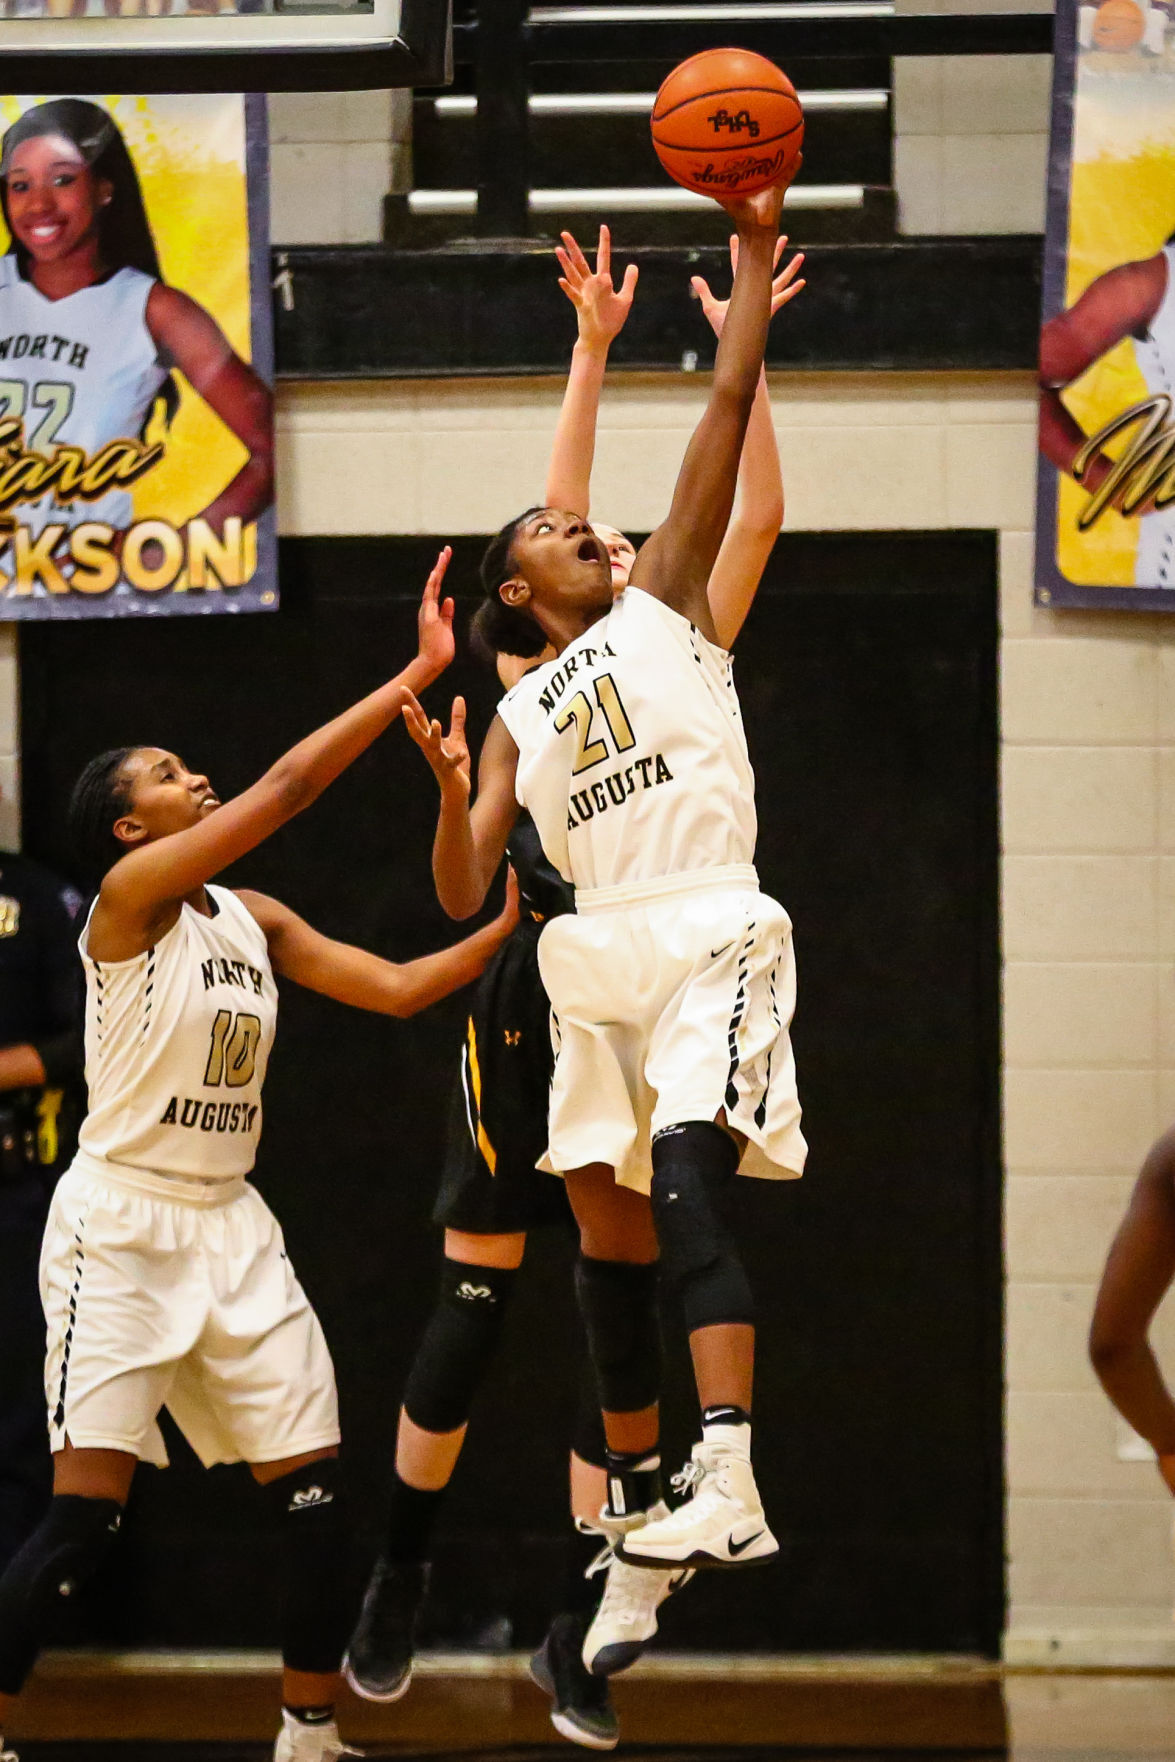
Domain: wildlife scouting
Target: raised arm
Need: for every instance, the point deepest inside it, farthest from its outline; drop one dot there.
(758, 514)
(1137, 1276)
(675, 564)
(1121, 303)
(353, 975)
(153, 877)
(470, 841)
(600, 314)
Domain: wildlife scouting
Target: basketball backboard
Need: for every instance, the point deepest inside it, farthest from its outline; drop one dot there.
(227, 45)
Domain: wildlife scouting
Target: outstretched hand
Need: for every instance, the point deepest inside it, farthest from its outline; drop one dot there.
(601, 310)
(760, 212)
(436, 644)
(785, 287)
(447, 754)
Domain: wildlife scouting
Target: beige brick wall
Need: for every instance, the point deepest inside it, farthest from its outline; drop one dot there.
(971, 134)
(971, 143)
(333, 158)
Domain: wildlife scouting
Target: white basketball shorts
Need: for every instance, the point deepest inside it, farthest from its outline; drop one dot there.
(161, 1292)
(667, 1009)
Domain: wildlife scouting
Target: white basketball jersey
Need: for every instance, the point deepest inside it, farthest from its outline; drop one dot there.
(177, 1041)
(79, 372)
(632, 758)
(1154, 564)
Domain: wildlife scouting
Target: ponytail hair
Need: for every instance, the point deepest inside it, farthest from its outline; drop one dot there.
(100, 795)
(498, 629)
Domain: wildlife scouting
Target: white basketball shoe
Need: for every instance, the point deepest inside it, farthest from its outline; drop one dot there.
(309, 1743)
(626, 1620)
(722, 1524)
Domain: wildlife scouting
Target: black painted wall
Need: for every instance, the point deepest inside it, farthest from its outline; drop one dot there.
(867, 674)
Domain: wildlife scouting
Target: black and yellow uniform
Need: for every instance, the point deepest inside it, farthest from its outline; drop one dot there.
(489, 1186)
(497, 1127)
(40, 1006)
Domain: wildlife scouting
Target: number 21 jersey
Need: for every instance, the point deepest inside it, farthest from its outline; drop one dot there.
(632, 759)
(177, 1041)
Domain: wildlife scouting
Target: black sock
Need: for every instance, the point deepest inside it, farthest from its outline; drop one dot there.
(725, 1415)
(312, 1715)
(411, 1521)
(634, 1480)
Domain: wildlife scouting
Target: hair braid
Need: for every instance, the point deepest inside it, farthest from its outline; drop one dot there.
(498, 629)
(97, 799)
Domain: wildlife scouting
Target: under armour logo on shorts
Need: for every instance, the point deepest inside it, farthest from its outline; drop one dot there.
(309, 1496)
(513, 1036)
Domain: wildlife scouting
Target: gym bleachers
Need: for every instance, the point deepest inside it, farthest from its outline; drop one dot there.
(584, 138)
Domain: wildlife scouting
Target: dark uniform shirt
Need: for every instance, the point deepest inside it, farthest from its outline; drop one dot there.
(40, 1006)
(542, 891)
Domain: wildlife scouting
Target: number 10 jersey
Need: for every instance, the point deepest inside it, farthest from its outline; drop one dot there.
(632, 759)
(177, 1042)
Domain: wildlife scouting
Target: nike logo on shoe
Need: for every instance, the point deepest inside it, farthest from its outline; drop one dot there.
(715, 952)
(737, 1548)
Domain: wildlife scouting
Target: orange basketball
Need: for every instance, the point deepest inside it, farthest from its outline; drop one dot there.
(728, 123)
(1118, 25)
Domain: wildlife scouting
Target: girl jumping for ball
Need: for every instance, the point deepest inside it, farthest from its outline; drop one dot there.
(491, 1195)
(672, 985)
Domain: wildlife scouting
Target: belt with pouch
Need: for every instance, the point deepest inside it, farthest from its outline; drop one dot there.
(29, 1132)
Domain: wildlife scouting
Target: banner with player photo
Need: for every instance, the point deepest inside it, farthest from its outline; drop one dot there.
(136, 357)
(1106, 475)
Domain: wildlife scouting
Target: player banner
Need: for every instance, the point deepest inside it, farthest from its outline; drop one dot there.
(136, 357)
(1106, 478)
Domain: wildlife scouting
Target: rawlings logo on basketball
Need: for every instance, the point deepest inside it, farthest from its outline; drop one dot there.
(735, 123)
(738, 174)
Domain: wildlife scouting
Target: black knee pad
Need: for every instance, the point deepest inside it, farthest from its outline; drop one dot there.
(66, 1548)
(459, 1342)
(316, 1604)
(693, 1166)
(618, 1302)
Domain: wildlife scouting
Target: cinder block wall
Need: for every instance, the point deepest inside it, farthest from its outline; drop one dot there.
(971, 134)
(333, 158)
